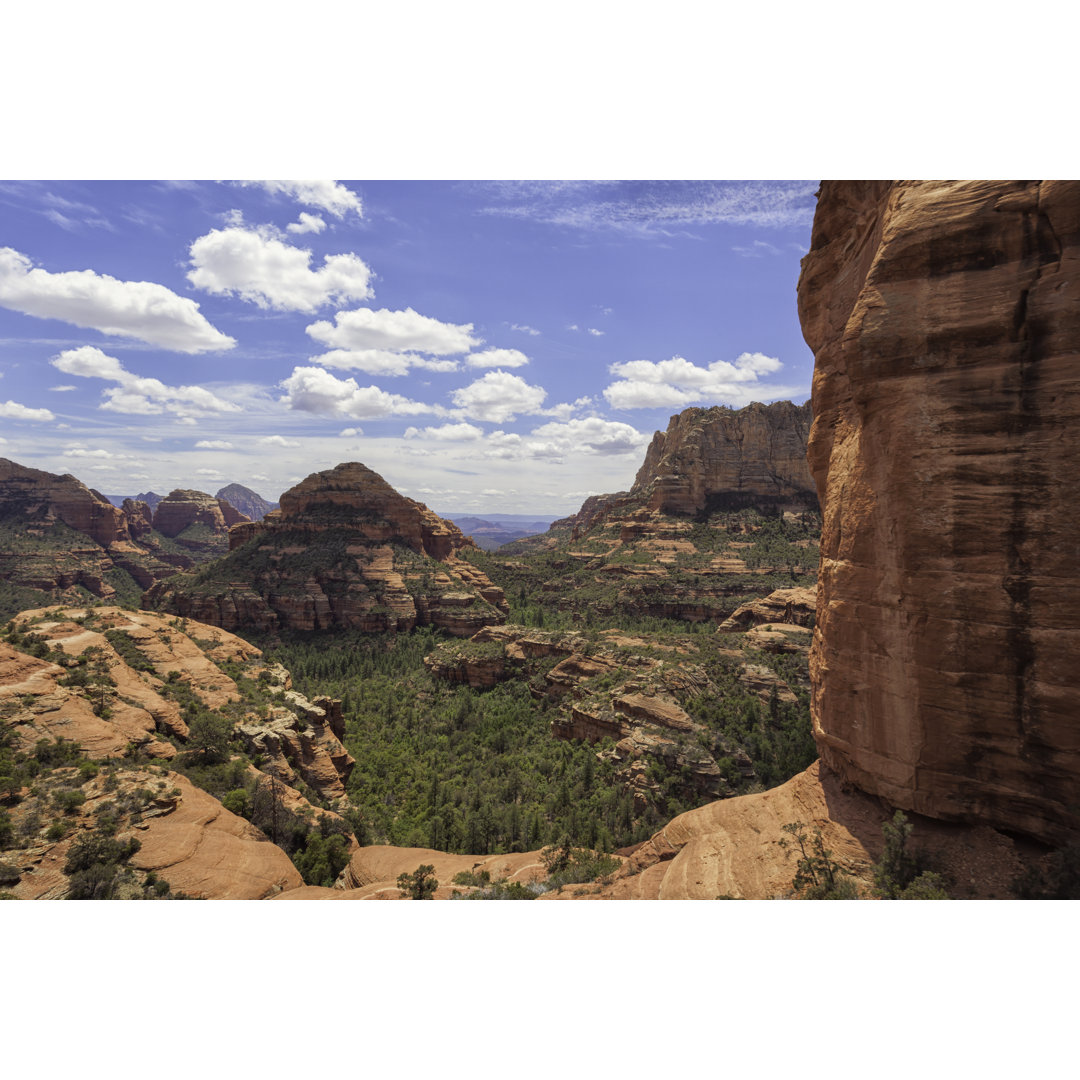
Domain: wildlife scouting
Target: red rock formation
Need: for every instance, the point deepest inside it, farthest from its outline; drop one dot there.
(231, 515)
(184, 507)
(721, 458)
(945, 320)
(43, 497)
(344, 550)
(139, 518)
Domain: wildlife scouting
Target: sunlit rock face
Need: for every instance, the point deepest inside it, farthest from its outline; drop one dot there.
(719, 458)
(945, 322)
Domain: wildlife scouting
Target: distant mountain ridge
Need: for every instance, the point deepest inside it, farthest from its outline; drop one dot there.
(248, 502)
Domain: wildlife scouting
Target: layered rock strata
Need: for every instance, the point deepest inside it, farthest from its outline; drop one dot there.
(945, 322)
(344, 551)
(725, 459)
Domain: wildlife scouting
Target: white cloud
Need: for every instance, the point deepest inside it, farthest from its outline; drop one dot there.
(315, 390)
(501, 358)
(594, 332)
(82, 452)
(277, 440)
(565, 410)
(677, 382)
(255, 265)
(350, 432)
(213, 444)
(381, 361)
(328, 195)
(208, 472)
(395, 331)
(592, 436)
(136, 394)
(12, 410)
(134, 309)
(757, 250)
(62, 389)
(308, 223)
(657, 208)
(189, 421)
(498, 397)
(447, 433)
(525, 330)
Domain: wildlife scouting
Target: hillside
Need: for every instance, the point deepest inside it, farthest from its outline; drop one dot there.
(60, 540)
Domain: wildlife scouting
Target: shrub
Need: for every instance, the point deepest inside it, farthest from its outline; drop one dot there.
(420, 884)
(817, 877)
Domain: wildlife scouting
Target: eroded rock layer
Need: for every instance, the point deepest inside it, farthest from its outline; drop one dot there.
(344, 551)
(721, 458)
(945, 320)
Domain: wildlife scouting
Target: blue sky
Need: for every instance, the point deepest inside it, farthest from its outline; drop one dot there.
(500, 347)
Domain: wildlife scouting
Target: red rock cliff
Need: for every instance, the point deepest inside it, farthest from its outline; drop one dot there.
(31, 493)
(718, 458)
(945, 320)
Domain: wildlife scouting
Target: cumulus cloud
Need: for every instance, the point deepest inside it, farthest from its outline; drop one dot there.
(447, 433)
(208, 472)
(591, 436)
(566, 409)
(381, 361)
(315, 390)
(254, 264)
(132, 309)
(501, 358)
(498, 397)
(308, 223)
(525, 330)
(394, 331)
(62, 389)
(677, 382)
(277, 440)
(135, 394)
(80, 451)
(350, 432)
(213, 444)
(328, 195)
(12, 410)
(554, 441)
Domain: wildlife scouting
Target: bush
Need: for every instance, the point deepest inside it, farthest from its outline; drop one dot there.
(420, 884)
(817, 877)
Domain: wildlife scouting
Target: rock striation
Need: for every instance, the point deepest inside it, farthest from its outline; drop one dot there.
(726, 459)
(44, 497)
(62, 540)
(343, 551)
(945, 322)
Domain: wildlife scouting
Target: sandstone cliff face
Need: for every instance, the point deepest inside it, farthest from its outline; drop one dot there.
(344, 550)
(184, 507)
(726, 459)
(945, 319)
(42, 496)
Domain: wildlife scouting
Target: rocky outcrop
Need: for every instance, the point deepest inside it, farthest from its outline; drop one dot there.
(300, 738)
(719, 458)
(734, 848)
(252, 505)
(185, 507)
(345, 550)
(186, 839)
(944, 318)
(139, 518)
(795, 606)
(40, 497)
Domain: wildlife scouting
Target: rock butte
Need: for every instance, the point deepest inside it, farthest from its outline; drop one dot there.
(344, 550)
